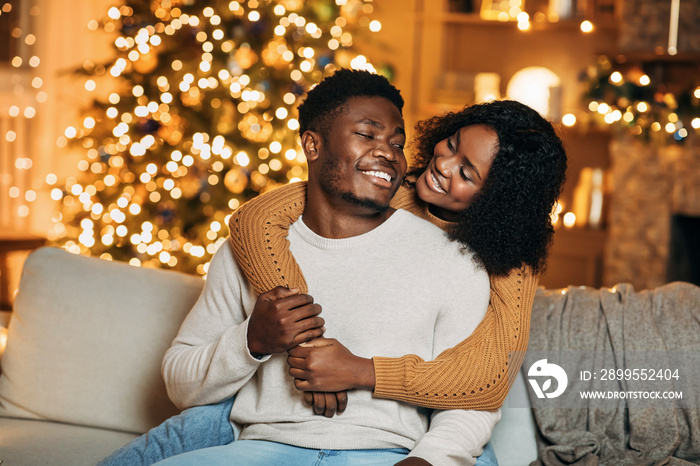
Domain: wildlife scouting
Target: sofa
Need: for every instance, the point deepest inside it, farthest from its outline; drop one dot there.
(80, 375)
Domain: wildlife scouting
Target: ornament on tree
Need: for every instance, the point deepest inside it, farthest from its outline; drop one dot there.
(146, 63)
(192, 98)
(258, 181)
(272, 56)
(148, 126)
(245, 57)
(236, 180)
(190, 186)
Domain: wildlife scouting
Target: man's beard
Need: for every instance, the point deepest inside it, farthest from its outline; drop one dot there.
(331, 180)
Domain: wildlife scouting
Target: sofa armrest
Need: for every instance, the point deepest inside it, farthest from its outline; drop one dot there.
(87, 339)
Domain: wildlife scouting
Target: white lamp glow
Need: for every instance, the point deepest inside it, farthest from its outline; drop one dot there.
(537, 87)
(487, 87)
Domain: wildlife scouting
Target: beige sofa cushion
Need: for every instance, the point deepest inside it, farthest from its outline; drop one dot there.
(86, 341)
(33, 443)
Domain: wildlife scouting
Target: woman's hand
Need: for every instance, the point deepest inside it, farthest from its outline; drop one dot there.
(325, 365)
(327, 404)
(282, 319)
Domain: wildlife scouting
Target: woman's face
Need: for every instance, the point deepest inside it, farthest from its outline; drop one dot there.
(458, 170)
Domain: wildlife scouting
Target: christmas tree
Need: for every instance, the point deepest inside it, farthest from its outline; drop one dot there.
(204, 119)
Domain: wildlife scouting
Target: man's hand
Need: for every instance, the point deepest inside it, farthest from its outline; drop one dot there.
(281, 320)
(327, 404)
(325, 365)
(413, 461)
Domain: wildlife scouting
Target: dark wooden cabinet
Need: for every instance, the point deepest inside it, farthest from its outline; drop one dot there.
(575, 258)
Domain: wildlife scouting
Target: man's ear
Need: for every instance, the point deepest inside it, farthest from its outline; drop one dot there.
(311, 143)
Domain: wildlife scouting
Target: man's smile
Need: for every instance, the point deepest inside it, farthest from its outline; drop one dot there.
(379, 174)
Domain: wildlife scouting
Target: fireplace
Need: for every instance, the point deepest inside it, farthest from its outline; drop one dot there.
(684, 249)
(654, 214)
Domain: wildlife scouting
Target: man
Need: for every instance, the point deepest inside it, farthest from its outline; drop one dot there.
(358, 256)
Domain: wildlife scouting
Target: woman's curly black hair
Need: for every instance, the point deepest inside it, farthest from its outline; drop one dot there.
(508, 225)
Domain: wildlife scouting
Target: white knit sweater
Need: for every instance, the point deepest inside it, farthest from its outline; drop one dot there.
(401, 288)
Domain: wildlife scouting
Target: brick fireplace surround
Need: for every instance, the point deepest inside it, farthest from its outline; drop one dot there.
(651, 183)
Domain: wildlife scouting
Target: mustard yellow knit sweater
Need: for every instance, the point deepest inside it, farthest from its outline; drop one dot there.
(475, 374)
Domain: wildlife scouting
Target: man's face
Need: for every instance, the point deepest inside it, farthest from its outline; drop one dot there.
(362, 162)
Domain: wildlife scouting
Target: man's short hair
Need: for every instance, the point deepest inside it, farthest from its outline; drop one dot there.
(328, 97)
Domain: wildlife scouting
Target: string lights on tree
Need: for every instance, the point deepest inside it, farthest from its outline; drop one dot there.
(203, 118)
(24, 102)
(625, 98)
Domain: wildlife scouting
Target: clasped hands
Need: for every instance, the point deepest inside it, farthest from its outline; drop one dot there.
(324, 369)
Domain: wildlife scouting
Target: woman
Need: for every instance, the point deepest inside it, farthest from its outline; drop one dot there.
(489, 175)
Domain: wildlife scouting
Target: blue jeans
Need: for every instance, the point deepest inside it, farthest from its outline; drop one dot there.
(263, 453)
(205, 427)
(193, 429)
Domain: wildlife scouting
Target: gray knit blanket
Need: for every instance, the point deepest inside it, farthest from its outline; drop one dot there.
(607, 341)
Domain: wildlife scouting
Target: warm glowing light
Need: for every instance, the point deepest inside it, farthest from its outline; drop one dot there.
(569, 219)
(375, 26)
(3, 339)
(281, 113)
(642, 107)
(569, 119)
(644, 80)
(695, 123)
(616, 77)
(533, 86)
(586, 26)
